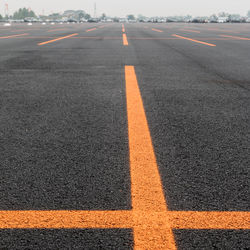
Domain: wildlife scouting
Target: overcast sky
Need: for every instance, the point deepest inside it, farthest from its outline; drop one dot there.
(124, 7)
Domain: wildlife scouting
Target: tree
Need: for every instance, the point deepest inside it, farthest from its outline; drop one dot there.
(213, 18)
(223, 14)
(81, 15)
(131, 17)
(54, 16)
(23, 13)
(1, 17)
(248, 13)
(103, 17)
(87, 16)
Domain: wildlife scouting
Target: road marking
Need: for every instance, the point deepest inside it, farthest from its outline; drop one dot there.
(12, 36)
(146, 189)
(196, 41)
(125, 40)
(122, 219)
(55, 30)
(123, 28)
(220, 30)
(12, 31)
(89, 30)
(57, 39)
(151, 221)
(157, 30)
(193, 31)
(236, 37)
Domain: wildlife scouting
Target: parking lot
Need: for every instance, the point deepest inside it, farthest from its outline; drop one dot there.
(122, 136)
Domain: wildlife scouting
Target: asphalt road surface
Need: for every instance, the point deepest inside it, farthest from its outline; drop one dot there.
(133, 136)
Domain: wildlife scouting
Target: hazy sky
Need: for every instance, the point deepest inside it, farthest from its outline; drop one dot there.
(124, 7)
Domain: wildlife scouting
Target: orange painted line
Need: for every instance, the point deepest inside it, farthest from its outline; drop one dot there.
(157, 30)
(220, 30)
(196, 41)
(12, 36)
(210, 220)
(146, 189)
(55, 30)
(236, 37)
(125, 40)
(65, 219)
(193, 31)
(123, 219)
(57, 39)
(89, 30)
(23, 30)
(123, 28)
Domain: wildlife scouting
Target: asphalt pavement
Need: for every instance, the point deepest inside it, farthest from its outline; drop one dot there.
(80, 107)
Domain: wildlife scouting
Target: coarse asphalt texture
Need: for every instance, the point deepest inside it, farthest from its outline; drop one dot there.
(64, 127)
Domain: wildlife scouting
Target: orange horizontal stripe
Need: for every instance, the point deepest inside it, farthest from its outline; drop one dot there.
(124, 219)
(194, 31)
(57, 39)
(55, 30)
(210, 220)
(157, 30)
(91, 29)
(12, 36)
(193, 40)
(236, 37)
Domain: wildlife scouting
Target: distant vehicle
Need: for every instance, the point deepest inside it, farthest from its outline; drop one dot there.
(222, 19)
(30, 20)
(83, 20)
(93, 20)
(213, 21)
(71, 20)
(197, 20)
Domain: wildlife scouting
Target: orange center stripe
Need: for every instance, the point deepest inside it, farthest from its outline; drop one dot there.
(193, 40)
(5, 37)
(57, 39)
(125, 40)
(146, 189)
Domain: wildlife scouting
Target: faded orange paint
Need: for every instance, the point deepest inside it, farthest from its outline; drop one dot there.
(157, 30)
(13, 36)
(193, 40)
(57, 39)
(236, 37)
(91, 29)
